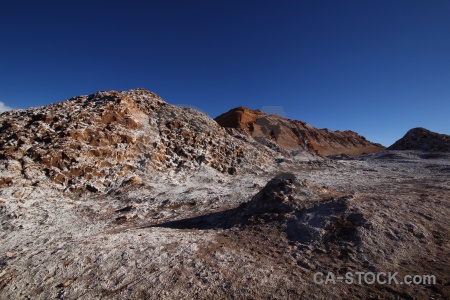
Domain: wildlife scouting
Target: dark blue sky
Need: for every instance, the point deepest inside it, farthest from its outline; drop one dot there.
(375, 67)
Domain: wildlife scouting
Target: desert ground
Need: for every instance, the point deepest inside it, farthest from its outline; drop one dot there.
(262, 234)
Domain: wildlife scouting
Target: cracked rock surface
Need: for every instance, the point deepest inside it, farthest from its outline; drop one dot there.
(98, 141)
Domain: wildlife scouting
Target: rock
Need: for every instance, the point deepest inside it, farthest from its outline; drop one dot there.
(281, 134)
(275, 197)
(232, 171)
(121, 219)
(91, 143)
(125, 209)
(424, 140)
(65, 284)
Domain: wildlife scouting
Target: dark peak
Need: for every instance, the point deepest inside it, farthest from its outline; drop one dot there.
(419, 130)
(422, 139)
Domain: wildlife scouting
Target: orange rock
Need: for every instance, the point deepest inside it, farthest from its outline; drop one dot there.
(294, 135)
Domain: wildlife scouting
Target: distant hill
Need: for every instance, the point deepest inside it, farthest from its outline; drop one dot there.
(423, 139)
(291, 134)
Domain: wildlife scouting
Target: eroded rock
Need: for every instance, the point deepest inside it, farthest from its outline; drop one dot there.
(282, 134)
(93, 143)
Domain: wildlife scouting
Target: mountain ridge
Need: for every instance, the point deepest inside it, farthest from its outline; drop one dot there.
(294, 134)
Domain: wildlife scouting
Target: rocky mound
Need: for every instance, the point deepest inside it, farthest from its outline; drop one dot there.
(295, 135)
(100, 141)
(306, 217)
(423, 139)
(304, 213)
(276, 197)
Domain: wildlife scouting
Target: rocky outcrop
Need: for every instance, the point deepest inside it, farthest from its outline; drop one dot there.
(294, 135)
(99, 141)
(276, 197)
(423, 139)
(306, 217)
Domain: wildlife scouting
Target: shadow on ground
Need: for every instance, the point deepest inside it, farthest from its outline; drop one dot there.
(218, 220)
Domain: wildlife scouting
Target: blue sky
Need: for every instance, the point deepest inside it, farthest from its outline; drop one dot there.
(376, 67)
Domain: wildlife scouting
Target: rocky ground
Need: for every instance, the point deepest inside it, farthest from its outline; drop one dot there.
(259, 234)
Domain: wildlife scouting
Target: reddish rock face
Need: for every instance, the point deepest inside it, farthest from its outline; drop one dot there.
(294, 135)
(239, 117)
(423, 139)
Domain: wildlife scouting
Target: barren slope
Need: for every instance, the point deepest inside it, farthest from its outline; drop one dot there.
(99, 141)
(295, 135)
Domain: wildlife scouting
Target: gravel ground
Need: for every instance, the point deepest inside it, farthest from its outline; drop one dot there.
(384, 212)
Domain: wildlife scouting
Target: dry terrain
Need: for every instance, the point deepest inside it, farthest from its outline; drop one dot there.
(120, 195)
(189, 236)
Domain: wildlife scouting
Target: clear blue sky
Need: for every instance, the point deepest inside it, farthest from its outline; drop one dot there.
(375, 67)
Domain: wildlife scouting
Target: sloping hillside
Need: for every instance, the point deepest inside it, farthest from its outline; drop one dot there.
(295, 135)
